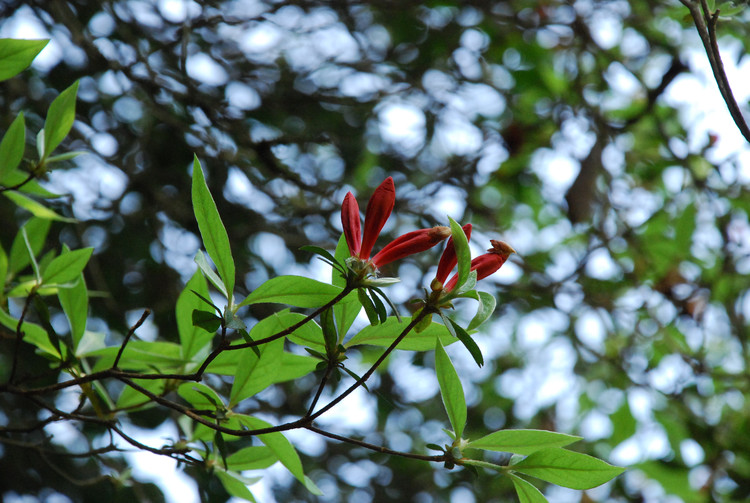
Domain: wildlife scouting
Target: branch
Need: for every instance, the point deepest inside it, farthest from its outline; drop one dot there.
(705, 23)
(130, 333)
(439, 458)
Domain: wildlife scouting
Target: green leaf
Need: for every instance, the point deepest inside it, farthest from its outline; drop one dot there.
(522, 442)
(255, 373)
(209, 273)
(17, 55)
(347, 311)
(364, 300)
(75, 303)
(235, 485)
(67, 267)
(36, 230)
(60, 117)
(567, 468)
(309, 334)
(33, 334)
(18, 177)
(450, 389)
(135, 400)
(200, 396)
(35, 208)
(295, 291)
(527, 493)
(329, 331)
(383, 335)
(206, 320)
(212, 230)
(142, 355)
(12, 146)
(192, 338)
(463, 254)
(3, 273)
(487, 303)
(257, 457)
(465, 339)
(284, 450)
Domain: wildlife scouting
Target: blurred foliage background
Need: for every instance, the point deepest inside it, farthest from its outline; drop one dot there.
(587, 134)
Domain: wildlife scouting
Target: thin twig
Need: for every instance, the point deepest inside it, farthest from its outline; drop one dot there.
(130, 333)
(19, 336)
(439, 458)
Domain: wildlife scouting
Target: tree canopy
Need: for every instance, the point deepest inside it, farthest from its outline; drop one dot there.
(184, 274)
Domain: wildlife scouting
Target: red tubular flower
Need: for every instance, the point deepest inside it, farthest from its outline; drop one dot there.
(487, 263)
(448, 259)
(410, 243)
(379, 208)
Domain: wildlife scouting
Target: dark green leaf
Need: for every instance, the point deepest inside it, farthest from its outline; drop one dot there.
(206, 320)
(370, 310)
(36, 230)
(236, 485)
(463, 254)
(466, 340)
(384, 334)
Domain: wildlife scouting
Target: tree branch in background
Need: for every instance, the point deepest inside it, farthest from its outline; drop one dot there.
(705, 23)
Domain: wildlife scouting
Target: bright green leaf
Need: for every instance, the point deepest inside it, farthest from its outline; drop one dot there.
(33, 334)
(294, 291)
(60, 117)
(487, 303)
(567, 468)
(35, 208)
(67, 267)
(522, 441)
(450, 389)
(192, 338)
(12, 146)
(199, 395)
(209, 273)
(527, 493)
(36, 230)
(75, 303)
(284, 450)
(16, 55)
(213, 233)
(256, 457)
(383, 335)
(255, 373)
(235, 485)
(463, 254)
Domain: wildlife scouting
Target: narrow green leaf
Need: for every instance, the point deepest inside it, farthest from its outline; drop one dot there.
(463, 254)
(215, 238)
(383, 334)
(234, 485)
(209, 273)
(65, 157)
(379, 306)
(16, 55)
(67, 267)
(527, 493)
(59, 119)
(522, 442)
(12, 146)
(295, 291)
(17, 177)
(34, 207)
(487, 303)
(344, 312)
(450, 389)
(466, 340)
(192, 338)
(329, 331)
(284, 450)
(567, 468)
(370, 310)
(36, 230)
(30, 253)
(75, 303)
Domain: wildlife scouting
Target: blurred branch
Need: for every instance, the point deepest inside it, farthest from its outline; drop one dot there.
(705, 23)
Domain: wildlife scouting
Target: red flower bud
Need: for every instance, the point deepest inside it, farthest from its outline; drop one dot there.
(410, 243)
(379, 208)
(448, 259)
(487, 263)
(350, 221)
